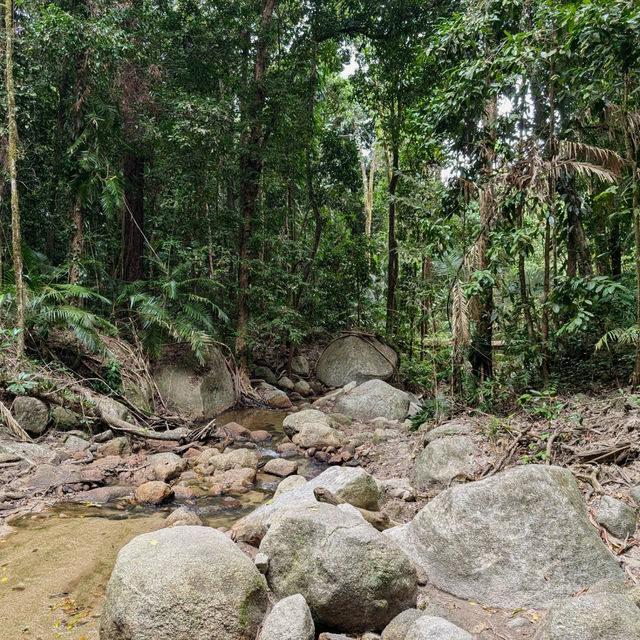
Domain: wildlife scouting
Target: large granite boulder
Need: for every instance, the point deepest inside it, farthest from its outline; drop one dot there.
(192, 389)
(354, 358)
(602, 616)
(434, 628)
(31, 414)
(373, 399)
(352, 577)
(352, 484)
(290, 619)
(183, 583)
(521, 538)
(295, 421)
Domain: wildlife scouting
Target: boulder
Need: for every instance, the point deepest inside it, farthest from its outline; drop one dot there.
(166, 466)
(290, 619)
(264, 373)
(300, 366)
(281, 467)
(294, 421)
(442, 460)
(616, 517)
(434, 628)
(114, 447)
(48, 476)
(521, 538)
(602, 616)
(192, 389)
(352, 484)
(398, 627)
(634, 494)
(303, 388)
(183, 583)
(446, 429)
(275, 398)
(75, 444)
(316, 435)
(64, 419)
(351, 576)
(354, 358)
(154, 492)
(11, 451)
(102, 495)
(234, 459)
(31, 414)
(372, 399)
(235, 431)
(112, 407)
(286, 383)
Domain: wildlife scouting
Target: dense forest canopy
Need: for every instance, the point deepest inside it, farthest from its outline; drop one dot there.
(460, 177)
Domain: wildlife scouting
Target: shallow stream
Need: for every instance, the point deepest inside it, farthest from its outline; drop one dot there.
(55, 566)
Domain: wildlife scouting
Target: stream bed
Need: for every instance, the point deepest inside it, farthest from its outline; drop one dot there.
(55, 566)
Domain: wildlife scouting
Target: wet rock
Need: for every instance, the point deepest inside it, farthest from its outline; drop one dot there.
(303, 388)
(103, 495)
(337, 560)
(48, 476)
(616, 517)
(31, 414)
(352, 358)
(182, 492)
(192, 389)
(287, 449)
(290, 619)
(260, 435)
(236, 458)
(154, 492)
(235, 431)
(183, 583)
(182, 517)
(234, 479)
(521, 538)
(300, 366)
(281, 467)
(275, 398)
(591, 617)
(372, 399)
(354, 485)
(316, 435)
(442, 460)
(264, 373)
(64, 419)
(166, 466)
(288, 484)
(433, 628)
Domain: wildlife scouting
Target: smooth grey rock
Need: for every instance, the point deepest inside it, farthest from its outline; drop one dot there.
(521, 538)
(300, 366)
(293, 422)
(288, 484)
(351, 576)
(372, 399)
(11, 451)
(275, 398)
(166, 466)
(634, 494)
(352, 484)
(290, 619)
(234, 459)
(183, 583)
(616, 517)
(447, 429)
(281, 467)
(433, 628)
(112, 407)
(442, 460)
(609, 585)
(31, 414)
(286, 383)
(194, 390)
(518, 623)
(601, 616)
(351, 358)
(303, 388)
(397, 629)
(316, 435)
(264, 373)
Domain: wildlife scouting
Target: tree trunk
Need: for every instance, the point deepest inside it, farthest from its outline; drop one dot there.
(133, 218)
(16, 238)
(522, 277)
(392, 265)
(250, 172)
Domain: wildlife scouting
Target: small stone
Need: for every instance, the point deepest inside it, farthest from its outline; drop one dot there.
(235, 431)
(302, 387)
(281, 467)
(300, 366)
(154, 492)
(634, 494)
(287, 449)
(182, 492)
(166, 466)
(262, 562)
(379, 435)
(518, 623)
(260, 435)
(616, 517)
(76, 445)
(116, 447)
(286, 383)
(182, 517)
